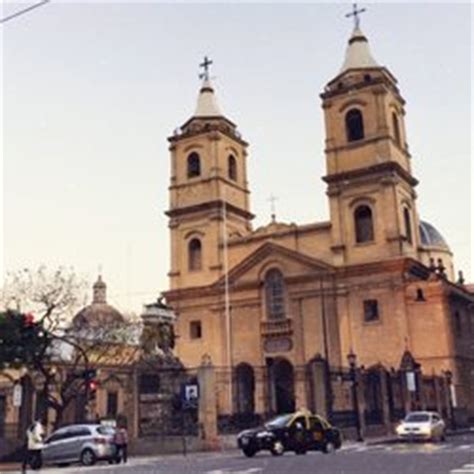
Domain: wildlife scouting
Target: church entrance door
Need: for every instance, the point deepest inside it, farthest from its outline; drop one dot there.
(283, 386)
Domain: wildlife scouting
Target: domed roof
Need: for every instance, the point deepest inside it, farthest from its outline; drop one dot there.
(431, 237)
(98, 313)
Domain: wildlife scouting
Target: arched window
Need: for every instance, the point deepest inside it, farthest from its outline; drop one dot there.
(407, 220)
(396, 129)
(364, 226)
(275, 294)
(354, 125)
(194, 165)
(232, 167)
(245, 388)
(195, 254)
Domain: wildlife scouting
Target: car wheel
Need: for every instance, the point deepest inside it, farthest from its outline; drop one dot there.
(88, 457)
(329, 447)
(249, 451)
(277, 448)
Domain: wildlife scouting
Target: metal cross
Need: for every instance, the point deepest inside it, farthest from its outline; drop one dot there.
(355, 13)
(272, 200)
(205, 65)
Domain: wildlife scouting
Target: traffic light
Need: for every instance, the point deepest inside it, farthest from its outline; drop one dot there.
(91, 383)
(89, 374)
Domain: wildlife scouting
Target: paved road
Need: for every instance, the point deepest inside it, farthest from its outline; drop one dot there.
(456, 456)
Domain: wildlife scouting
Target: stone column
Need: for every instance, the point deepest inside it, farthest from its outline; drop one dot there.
(317, 369)
(439, 404)
(207, 412)
(260, 391)
(300, 388)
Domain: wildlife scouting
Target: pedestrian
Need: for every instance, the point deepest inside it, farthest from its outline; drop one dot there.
(121, 444)
(33, 446)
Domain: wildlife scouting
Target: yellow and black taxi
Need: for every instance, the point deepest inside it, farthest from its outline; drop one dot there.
(299, 432)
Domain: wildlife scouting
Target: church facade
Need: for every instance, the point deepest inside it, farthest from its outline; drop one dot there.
(374, 280)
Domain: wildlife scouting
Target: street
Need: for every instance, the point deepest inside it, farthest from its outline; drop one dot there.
(455, 456)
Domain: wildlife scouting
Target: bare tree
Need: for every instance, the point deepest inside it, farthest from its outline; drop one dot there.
(54, 297)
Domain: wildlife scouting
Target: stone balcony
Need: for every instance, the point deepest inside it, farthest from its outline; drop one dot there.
(279, 327)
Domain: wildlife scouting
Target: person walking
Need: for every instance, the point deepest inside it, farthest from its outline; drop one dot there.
(121, 444)
(34, 444)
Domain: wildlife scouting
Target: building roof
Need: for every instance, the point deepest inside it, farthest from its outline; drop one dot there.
(358, 53)
(99, 313)
(207, 103)
(431, 237)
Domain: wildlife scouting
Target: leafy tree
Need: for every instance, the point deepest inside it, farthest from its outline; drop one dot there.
(22, 340)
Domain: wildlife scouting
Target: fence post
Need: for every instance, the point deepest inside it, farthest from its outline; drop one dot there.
(207, 413)
(385, 404)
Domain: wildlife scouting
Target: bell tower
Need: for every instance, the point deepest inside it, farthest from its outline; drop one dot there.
(208, 191)
(369, 182)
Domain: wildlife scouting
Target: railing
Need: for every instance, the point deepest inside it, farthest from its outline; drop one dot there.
(278, 327)
(9, 431)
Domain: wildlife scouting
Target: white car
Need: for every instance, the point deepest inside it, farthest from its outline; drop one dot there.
(426, 425)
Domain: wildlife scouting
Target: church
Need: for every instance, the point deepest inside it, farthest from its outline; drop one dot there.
(375, 282)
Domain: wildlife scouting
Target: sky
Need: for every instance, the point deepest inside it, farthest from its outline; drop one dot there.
(92, 91)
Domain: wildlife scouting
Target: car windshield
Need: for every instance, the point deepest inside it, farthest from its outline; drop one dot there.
(106, 430)
(417, 417)
(279, 421)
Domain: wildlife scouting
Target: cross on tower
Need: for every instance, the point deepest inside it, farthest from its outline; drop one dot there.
(205, 65)
(355, 13)
(272, 200)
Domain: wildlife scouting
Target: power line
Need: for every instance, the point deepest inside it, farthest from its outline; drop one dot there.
(25, 10)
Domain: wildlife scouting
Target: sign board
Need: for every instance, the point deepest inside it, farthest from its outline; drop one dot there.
(106, 422)
(454, 400)
(190, 395)
(411, 381)
(17, 395)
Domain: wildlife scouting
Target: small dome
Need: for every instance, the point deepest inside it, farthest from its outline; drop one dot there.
(98, 313)
(431, 237)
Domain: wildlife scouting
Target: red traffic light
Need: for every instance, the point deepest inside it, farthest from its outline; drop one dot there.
(29, 319)
(93, 385)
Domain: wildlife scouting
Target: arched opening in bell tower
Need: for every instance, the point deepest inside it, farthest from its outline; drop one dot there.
(354, 125)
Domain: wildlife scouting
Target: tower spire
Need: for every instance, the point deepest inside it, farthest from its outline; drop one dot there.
(358, 53)
(206, 104)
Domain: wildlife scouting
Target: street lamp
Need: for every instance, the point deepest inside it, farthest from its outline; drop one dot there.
(449, 379)
(352, 359)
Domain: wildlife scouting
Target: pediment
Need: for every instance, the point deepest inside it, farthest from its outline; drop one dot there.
(269, 255)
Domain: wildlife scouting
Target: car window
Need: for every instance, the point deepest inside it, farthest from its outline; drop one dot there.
(417, 417)
(106, 430)
(299, 423)
(80, 431)
(57, 436)
(315, 424)
(279, 421)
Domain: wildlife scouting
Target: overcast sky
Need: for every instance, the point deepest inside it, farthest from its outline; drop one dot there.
(91, 92)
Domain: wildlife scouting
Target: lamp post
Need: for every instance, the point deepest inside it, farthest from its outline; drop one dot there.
(352, 359)
(449, 380)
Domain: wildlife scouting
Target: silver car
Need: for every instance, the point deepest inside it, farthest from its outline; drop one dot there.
(426, 425)
(79, 443)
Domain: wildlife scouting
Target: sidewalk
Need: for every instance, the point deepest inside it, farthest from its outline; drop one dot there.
(10, 467)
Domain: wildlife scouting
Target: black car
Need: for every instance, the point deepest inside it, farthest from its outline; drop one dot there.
(299, 432)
